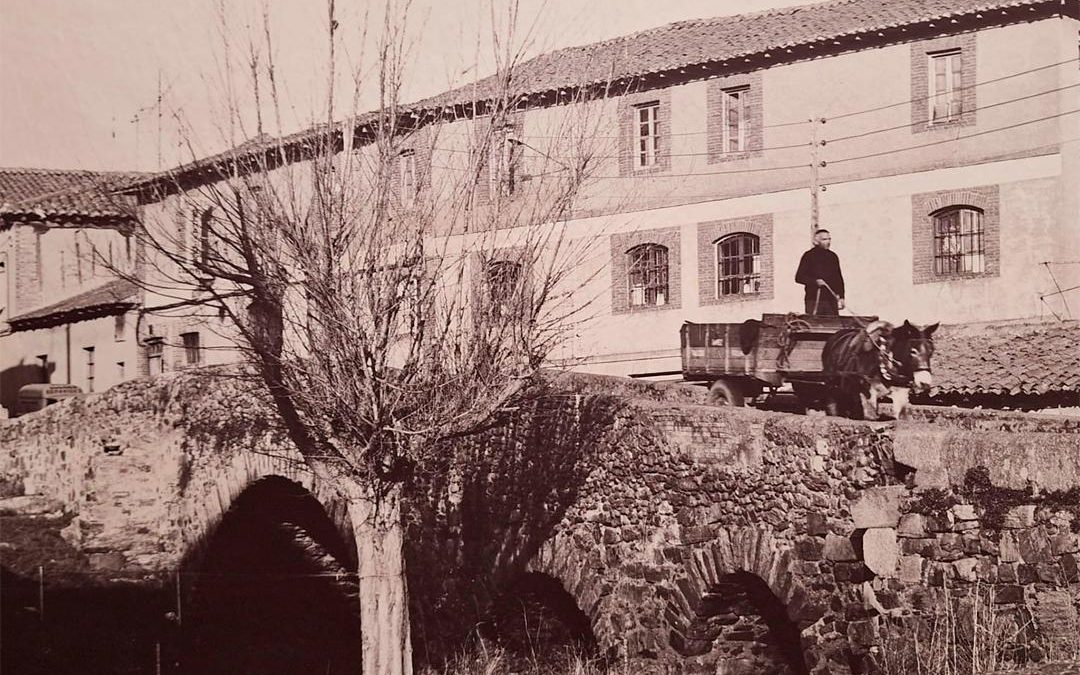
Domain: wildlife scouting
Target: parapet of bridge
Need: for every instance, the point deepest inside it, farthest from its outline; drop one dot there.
(690, 536)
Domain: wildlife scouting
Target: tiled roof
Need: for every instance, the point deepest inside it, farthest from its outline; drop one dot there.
(701, 41)
(114, 297)
(1008, 360)
(60, 194)
(673, 47)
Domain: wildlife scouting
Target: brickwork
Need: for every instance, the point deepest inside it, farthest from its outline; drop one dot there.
(709, 233)
(754, 132)
(628, 130)
(27, 267)
(621, 243)
(925, 204)
(920, 82)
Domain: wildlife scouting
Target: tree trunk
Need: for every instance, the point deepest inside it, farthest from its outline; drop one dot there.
(384, 599)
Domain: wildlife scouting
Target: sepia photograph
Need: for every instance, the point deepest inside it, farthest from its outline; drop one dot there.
(540, 337)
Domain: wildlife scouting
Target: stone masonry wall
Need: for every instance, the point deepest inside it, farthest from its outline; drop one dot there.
(693, 537)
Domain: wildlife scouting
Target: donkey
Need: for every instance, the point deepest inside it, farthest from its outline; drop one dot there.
(863, 364)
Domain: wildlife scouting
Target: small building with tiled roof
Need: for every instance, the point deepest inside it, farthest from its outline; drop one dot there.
(66, 242)
(1024, 365)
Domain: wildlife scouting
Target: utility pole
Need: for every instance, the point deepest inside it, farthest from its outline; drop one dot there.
(816, 163)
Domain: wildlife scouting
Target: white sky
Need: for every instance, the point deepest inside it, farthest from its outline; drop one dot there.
(75, 74)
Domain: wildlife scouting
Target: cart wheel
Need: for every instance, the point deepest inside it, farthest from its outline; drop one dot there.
(726, 392)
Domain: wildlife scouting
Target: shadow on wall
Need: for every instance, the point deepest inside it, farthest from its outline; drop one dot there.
(273, 589)
(478, 519)
(14, 378)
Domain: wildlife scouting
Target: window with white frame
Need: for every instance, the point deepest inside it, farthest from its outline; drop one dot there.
(407, 183)
(738, 265)
(735, 118)
(647, 134)
(946, 77)
(959, 241)
(648, 275)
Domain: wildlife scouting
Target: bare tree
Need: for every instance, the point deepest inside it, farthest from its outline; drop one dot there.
(395, 280)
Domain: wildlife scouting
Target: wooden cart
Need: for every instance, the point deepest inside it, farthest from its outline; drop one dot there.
(738, 361)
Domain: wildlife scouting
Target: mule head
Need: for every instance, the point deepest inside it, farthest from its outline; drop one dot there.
(912, 348)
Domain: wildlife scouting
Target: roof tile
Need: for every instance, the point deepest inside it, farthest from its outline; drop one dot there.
(1021, 359)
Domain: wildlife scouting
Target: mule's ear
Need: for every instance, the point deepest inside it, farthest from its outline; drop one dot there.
(907, 324)
(929, 330)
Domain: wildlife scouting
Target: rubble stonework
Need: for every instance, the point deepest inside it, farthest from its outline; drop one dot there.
(689, 535)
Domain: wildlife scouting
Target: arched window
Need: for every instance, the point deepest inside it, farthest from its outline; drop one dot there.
(959, 241)
(738, 264)
(648, 275)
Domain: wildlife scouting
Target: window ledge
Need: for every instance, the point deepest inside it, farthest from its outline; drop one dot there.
(645, 309)
(721, 158)
(736, 298)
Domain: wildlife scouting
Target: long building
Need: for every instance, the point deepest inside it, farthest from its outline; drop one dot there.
(938, 141)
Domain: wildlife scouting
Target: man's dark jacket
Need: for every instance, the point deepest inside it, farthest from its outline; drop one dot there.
(820, 263)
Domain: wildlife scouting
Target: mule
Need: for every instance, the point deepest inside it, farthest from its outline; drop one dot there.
(861, 365)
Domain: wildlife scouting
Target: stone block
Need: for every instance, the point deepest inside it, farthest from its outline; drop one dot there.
(1048, 573)
(1006, 574)
(1064, 542)
(1008, 594)
(911, 568)
(881, 552)
(809, 548)
(1070, 565)
(964, 512)
(1034, 545)
(816, 524)
(878, 507)
(911, 525)
(1057, 618)
(951, 546)
(1008, 551)
(111, 561)
(966, 569)
(1020, 516)
(839, 548)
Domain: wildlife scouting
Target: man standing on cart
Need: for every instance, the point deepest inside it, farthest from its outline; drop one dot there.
(819, 272)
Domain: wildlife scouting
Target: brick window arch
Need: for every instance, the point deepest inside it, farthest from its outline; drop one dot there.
(647, 275)
(738, 264)
(959, 241)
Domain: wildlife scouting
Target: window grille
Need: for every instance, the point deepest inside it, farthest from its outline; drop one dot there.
(648, 275)
(959, 241)
(738, 265)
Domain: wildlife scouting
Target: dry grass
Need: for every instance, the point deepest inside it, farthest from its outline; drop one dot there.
(971, 636)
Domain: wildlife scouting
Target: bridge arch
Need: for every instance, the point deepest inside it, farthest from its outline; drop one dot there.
(742, 604)
(272, 587)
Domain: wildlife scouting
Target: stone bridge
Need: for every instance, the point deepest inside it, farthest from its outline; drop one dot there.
(682, 537)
